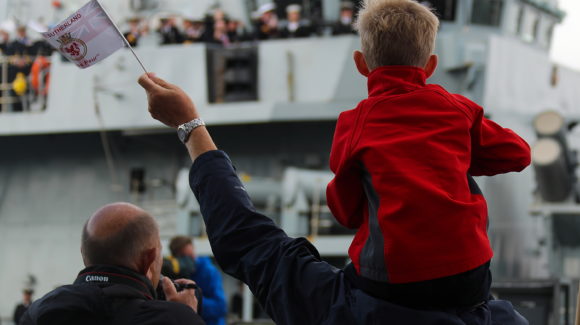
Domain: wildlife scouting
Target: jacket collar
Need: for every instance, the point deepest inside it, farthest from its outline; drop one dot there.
(106, 275)
(395, 79)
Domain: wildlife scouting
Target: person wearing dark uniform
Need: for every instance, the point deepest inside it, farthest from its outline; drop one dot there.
(20, 53)
(134, 32)
(219, 35)
(295, 26)
(169, 32)
(4, 37)
(344, 25)
(266, 26)
(193, 30)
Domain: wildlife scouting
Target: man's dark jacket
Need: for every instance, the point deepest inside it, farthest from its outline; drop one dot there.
(287, 275)
(107, 295)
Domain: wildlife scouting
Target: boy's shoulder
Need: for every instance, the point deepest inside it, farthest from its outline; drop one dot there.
(351, 114)
(433, 92)
(454, 97)
(470, 108)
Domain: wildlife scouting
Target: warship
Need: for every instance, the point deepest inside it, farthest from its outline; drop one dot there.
(272, 106)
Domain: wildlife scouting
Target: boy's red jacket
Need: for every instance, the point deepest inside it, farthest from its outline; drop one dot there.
(402, 161)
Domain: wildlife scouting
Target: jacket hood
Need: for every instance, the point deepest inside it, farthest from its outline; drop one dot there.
(93, 298)
(67, 303)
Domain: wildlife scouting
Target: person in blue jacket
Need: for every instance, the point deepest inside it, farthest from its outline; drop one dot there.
(184, 263)
(286, 274)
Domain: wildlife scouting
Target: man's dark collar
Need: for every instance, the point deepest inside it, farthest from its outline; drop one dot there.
(105, 275)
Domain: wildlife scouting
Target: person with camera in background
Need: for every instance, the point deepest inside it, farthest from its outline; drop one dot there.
(183, 263)
(121, 250)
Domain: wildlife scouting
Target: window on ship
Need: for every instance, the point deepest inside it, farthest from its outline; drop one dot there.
(520, 20)
(536, 29)
(446, 9)
(487, 12)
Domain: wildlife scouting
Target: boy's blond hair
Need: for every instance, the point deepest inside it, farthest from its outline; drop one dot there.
(396, 32)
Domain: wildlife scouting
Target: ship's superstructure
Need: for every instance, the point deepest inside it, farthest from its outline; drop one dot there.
(272, 106)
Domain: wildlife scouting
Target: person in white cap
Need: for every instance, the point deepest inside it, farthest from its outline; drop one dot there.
(266, 26)
(295, 26)
(344, 25)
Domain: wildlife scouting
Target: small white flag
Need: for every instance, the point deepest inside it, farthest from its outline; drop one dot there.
(87, 36)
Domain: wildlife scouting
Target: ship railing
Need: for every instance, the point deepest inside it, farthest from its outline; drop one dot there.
(24, 93)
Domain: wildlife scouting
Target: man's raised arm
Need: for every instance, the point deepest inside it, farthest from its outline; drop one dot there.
(285, 274)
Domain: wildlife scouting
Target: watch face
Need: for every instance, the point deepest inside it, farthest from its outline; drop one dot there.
(181, 133)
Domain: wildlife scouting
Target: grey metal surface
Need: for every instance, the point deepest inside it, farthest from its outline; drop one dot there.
(326, 83)
(49, 184)
(549, 301)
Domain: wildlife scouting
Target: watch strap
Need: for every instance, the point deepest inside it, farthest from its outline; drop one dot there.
(188, 127)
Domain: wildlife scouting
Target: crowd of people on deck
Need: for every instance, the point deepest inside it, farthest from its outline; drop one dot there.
(217, 27)
(125, 275)
(25, 60)
(24, 70)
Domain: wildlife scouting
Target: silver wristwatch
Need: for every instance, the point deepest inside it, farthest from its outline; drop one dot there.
(185, 129)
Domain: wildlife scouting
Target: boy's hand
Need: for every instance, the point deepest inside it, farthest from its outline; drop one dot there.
(167, 102)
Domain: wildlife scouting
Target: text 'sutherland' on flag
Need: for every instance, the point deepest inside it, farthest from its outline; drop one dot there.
(87, 36)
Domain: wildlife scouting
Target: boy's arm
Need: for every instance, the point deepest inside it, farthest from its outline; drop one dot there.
(345, 194)
(496, 150)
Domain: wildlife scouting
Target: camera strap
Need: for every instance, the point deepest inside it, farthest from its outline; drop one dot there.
(105, 276)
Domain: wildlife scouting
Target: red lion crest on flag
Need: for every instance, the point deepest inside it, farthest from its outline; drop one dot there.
(74, 47)
(86, 36)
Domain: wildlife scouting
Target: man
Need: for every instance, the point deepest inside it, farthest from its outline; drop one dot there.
(266, 25)
(134, 32)
(184, 264)
(219, 34)
(286, 274)
(193, 30)
(169, 32)
(122, 254)
(295, 26)
(23, 306)
(344, 25)
(20, 52)
(236, 31)
(4, 38)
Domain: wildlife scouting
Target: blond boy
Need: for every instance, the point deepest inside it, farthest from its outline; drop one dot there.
(403, 161)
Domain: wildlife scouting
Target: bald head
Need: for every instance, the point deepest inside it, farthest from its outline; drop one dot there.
(118, 234)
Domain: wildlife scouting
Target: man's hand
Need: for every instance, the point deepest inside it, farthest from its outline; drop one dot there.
(170, 105)
(186, 297)
(167, 102)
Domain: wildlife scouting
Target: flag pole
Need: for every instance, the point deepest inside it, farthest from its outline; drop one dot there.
(122, 36)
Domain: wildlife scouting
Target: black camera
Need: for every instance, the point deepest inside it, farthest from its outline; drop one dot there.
(180, 287)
